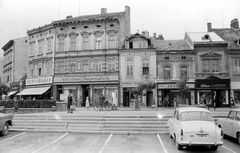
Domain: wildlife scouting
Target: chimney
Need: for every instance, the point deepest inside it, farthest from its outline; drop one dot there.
(143, 33)
(154, 35)
(68, 17)
(146, 33)
(160, 37)
(234, 24)
(209, 27)
(103, 10)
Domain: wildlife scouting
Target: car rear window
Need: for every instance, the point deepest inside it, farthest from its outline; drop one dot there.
(196, 116)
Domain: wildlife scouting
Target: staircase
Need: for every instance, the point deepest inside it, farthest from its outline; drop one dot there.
(117, 124)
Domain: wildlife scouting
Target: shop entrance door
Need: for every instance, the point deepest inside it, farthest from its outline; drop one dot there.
(85, 95)
(126, 99)
(149, 98)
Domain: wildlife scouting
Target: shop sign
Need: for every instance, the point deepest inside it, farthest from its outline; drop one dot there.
(172, 86)
(218, 85)
(85, 79)
(35, 81)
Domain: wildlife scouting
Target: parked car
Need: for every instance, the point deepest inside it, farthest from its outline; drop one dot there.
(194, 126)
(5, 122)
(231, 124)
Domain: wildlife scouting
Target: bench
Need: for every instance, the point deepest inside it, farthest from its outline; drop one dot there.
(2, 109)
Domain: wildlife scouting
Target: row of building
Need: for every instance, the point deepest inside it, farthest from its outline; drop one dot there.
(97, 54)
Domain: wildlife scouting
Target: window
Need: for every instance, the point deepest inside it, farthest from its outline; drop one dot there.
(60, 66)
(145, 66)
(196, 116)
(85, 44)
(85, 66)
(98, 42)
(98, 66)
(142, 44)
(183, 57)
(231, 114)
(61, 43)
(49, 41)
(111, 67)
(210, 65)
(236, 65)
(129, 67)
(40, 46)
(183, 70)
(73, 42)
(166, 57)
(167, 72)
(32, 48)
(39, 71)
(111, 41)
(72, 67)
(49, 68)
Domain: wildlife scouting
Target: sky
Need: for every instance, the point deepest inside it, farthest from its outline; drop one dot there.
(171, 18)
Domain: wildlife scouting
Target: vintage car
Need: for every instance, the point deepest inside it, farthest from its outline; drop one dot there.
(231, 124)
(194, 126)
(5, 121)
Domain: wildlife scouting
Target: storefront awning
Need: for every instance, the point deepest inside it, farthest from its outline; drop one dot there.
(11, 93)
(33, 91)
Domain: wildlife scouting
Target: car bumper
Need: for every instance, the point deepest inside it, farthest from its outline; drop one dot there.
(190, 143)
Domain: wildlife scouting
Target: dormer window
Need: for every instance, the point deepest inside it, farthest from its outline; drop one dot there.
(206, 37)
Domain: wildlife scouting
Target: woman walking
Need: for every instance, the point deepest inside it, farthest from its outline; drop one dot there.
(87, 102)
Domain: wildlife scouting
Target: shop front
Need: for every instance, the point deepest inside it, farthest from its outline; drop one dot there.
(37, 89)
(169, 91)
(235, 91)
(87, 86)
(214, 92)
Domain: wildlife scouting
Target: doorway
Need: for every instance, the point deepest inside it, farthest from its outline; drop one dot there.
(126, 99)
(85, 94)
(149, 98)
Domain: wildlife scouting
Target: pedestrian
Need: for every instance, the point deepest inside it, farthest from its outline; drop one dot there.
(15, 105)
(69, 103)
(232, 102)
(101, 101)
(80, 101)
(87, 102)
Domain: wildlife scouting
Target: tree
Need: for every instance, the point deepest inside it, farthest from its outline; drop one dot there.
(184, 89)
(4, 89)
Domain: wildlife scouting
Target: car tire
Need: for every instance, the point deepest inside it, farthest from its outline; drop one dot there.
(5, 129)
(178, 146)
(214, 147)
(238, 137)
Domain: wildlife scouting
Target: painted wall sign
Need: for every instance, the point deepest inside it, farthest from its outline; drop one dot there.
(86, 79)
(35, 81)
(172, 86)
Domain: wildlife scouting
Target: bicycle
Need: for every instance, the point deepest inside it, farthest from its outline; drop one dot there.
(97, 106)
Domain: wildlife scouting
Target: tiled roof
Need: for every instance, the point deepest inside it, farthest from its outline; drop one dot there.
(91, 17)
(172, 45)
(198, 37)
(229, 35)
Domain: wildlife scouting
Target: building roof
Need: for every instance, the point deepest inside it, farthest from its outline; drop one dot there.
(230, 36)
(88, 18)
(172, 45)
(201, 37)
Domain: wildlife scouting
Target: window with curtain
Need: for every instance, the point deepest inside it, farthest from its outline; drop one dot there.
(183, 70)
(167, 72)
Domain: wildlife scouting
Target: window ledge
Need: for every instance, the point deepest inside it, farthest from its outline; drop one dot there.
(40, 54)
(31, 55)
(49, 52)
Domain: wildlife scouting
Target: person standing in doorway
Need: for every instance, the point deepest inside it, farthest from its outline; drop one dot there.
(69, 103)
(87, 102)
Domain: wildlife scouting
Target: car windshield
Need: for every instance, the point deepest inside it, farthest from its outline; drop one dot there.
(196, 116)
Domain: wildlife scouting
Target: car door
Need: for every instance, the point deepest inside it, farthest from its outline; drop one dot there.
(236, 124)
(171, 123)
(228, 124)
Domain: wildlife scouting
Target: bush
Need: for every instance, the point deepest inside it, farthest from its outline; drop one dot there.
(29, 103)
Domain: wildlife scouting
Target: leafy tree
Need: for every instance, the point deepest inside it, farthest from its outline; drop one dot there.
(4, 89)
(184, 89)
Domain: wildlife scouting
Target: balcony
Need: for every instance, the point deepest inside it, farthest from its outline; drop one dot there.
(203, 75)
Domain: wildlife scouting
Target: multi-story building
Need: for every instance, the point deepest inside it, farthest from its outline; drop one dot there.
(1, 69)
(232, 36)
(40, 63)
(212, 81)
(15, 61)
(87, 55)
(175, 62)
(137, 65)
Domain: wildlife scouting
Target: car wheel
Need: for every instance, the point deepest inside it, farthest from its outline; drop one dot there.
(178, 146)
(214, 147)
(238, 137)
(5, 129)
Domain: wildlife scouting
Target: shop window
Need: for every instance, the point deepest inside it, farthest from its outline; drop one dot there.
(210, 65)
(183, 70)
(237, 97)
(167, 72)
(145, 66)
(236, 66)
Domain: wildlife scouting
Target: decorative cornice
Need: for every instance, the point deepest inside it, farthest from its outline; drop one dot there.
(98, 31)
(210, 54)
(85, 32)
(73, 33)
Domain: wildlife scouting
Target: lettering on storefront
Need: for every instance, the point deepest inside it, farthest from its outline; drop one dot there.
(205, 85)
(85, 79)
(45, 80)
(212, 85)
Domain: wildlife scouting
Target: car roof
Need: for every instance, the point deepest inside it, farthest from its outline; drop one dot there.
(187, 109)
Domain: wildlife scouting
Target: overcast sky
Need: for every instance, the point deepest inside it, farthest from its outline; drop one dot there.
(172, 18)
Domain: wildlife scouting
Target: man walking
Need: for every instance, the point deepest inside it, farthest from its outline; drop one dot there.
(69, 103)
